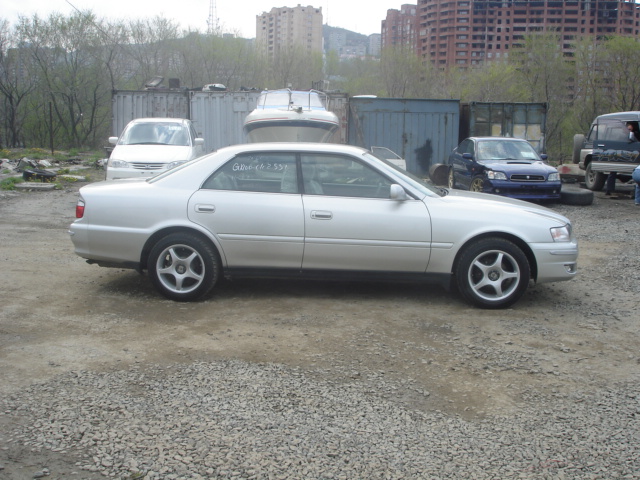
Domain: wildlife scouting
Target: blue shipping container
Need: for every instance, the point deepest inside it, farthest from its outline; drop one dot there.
(421, 131)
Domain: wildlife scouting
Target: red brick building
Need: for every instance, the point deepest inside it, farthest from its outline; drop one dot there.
(465, 33)
(401, 28)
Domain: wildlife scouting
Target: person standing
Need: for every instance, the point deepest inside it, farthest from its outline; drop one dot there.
(636, 178)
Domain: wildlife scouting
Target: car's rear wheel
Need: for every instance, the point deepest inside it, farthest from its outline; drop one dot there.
(183, 266)
(594, 180)
(492, 273)
(451, 182)
(477, 184)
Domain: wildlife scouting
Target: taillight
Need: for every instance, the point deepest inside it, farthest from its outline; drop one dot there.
(80, 208)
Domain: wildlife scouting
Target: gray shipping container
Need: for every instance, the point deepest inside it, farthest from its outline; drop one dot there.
(219, 116)
(517, 120)
(421, 131)
(128, 105)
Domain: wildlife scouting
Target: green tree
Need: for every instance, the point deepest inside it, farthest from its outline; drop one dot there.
(621, 68)
(546, 76)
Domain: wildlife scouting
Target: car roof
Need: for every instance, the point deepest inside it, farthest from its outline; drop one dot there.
(294, 146)
(159, 120)
(498, 138)
(632, 115)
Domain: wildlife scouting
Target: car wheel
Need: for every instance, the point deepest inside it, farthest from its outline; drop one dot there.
(477, 184)
(572, 195)
(594, 180)
(492, 273)
(183, 266)
(578, 143)
(451, 180)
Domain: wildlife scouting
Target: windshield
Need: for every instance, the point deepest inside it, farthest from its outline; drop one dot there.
(285, 98)
(496, 150)
(156, 134)
(416, 182)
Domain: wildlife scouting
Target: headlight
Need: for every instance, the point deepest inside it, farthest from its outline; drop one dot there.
(561, 234)
(491, 175)
(553, 177)
(174, 164)
(118, 163)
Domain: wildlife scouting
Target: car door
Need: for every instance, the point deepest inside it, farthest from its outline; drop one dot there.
(253, 205)
(461, 164)
(613, 142)
(351, 224)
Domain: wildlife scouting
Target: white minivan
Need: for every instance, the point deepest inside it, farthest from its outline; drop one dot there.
(148, 146)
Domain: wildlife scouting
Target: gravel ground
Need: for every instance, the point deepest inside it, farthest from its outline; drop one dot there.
(315, 382)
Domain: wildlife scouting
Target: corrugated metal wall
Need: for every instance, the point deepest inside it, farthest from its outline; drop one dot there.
(219, 116)
(421, 131)
(496, 119)
(128, 105)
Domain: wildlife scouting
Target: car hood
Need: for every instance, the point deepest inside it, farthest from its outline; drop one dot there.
(482, 202)
(516, 166)
(151, 153)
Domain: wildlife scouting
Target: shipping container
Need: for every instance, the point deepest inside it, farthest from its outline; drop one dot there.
(421, 131)
(219, 116)
(517, 120)
(128, 105)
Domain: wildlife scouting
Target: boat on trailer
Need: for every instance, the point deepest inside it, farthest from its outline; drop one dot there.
(287, 115)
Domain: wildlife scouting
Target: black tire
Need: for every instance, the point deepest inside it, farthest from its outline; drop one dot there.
(594, 180)
(578, 143)
(574, 195)
(183, 267)
(451, 179)
(438, 174)
(477, 184)
(492, 273)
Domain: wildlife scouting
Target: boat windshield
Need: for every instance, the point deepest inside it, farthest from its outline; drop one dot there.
(287, 99)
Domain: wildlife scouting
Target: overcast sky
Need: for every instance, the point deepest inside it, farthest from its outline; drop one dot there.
(234, 15)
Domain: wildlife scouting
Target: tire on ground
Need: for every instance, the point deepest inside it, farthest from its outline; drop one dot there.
(574, 195)
(438, 174)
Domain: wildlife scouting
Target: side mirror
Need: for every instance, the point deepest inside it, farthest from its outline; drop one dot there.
(544, 156)
(199, 141)
(468, 156)
(396, 192)
(113, 140)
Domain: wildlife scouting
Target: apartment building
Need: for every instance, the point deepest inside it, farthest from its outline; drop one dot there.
(401, 28)
(468, 32)
(283, 29)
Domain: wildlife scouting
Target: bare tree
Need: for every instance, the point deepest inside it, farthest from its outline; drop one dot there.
(16, 84)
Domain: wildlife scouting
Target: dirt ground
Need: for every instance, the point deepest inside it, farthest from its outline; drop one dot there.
(59, 314)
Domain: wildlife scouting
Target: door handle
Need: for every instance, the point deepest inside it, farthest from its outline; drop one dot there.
(200, 208)
(321, 215)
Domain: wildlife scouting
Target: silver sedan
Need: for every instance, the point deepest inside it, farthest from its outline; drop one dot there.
(318, 211)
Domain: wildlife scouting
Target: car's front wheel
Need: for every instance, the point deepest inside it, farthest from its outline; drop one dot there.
(183, 266)
(477, 184)
(492, 273)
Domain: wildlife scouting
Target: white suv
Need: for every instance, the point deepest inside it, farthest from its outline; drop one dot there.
(148, 146)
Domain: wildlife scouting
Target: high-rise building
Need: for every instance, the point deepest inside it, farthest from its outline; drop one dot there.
(375, 44)
(286, 29)
(469, 32)
(400, 28)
